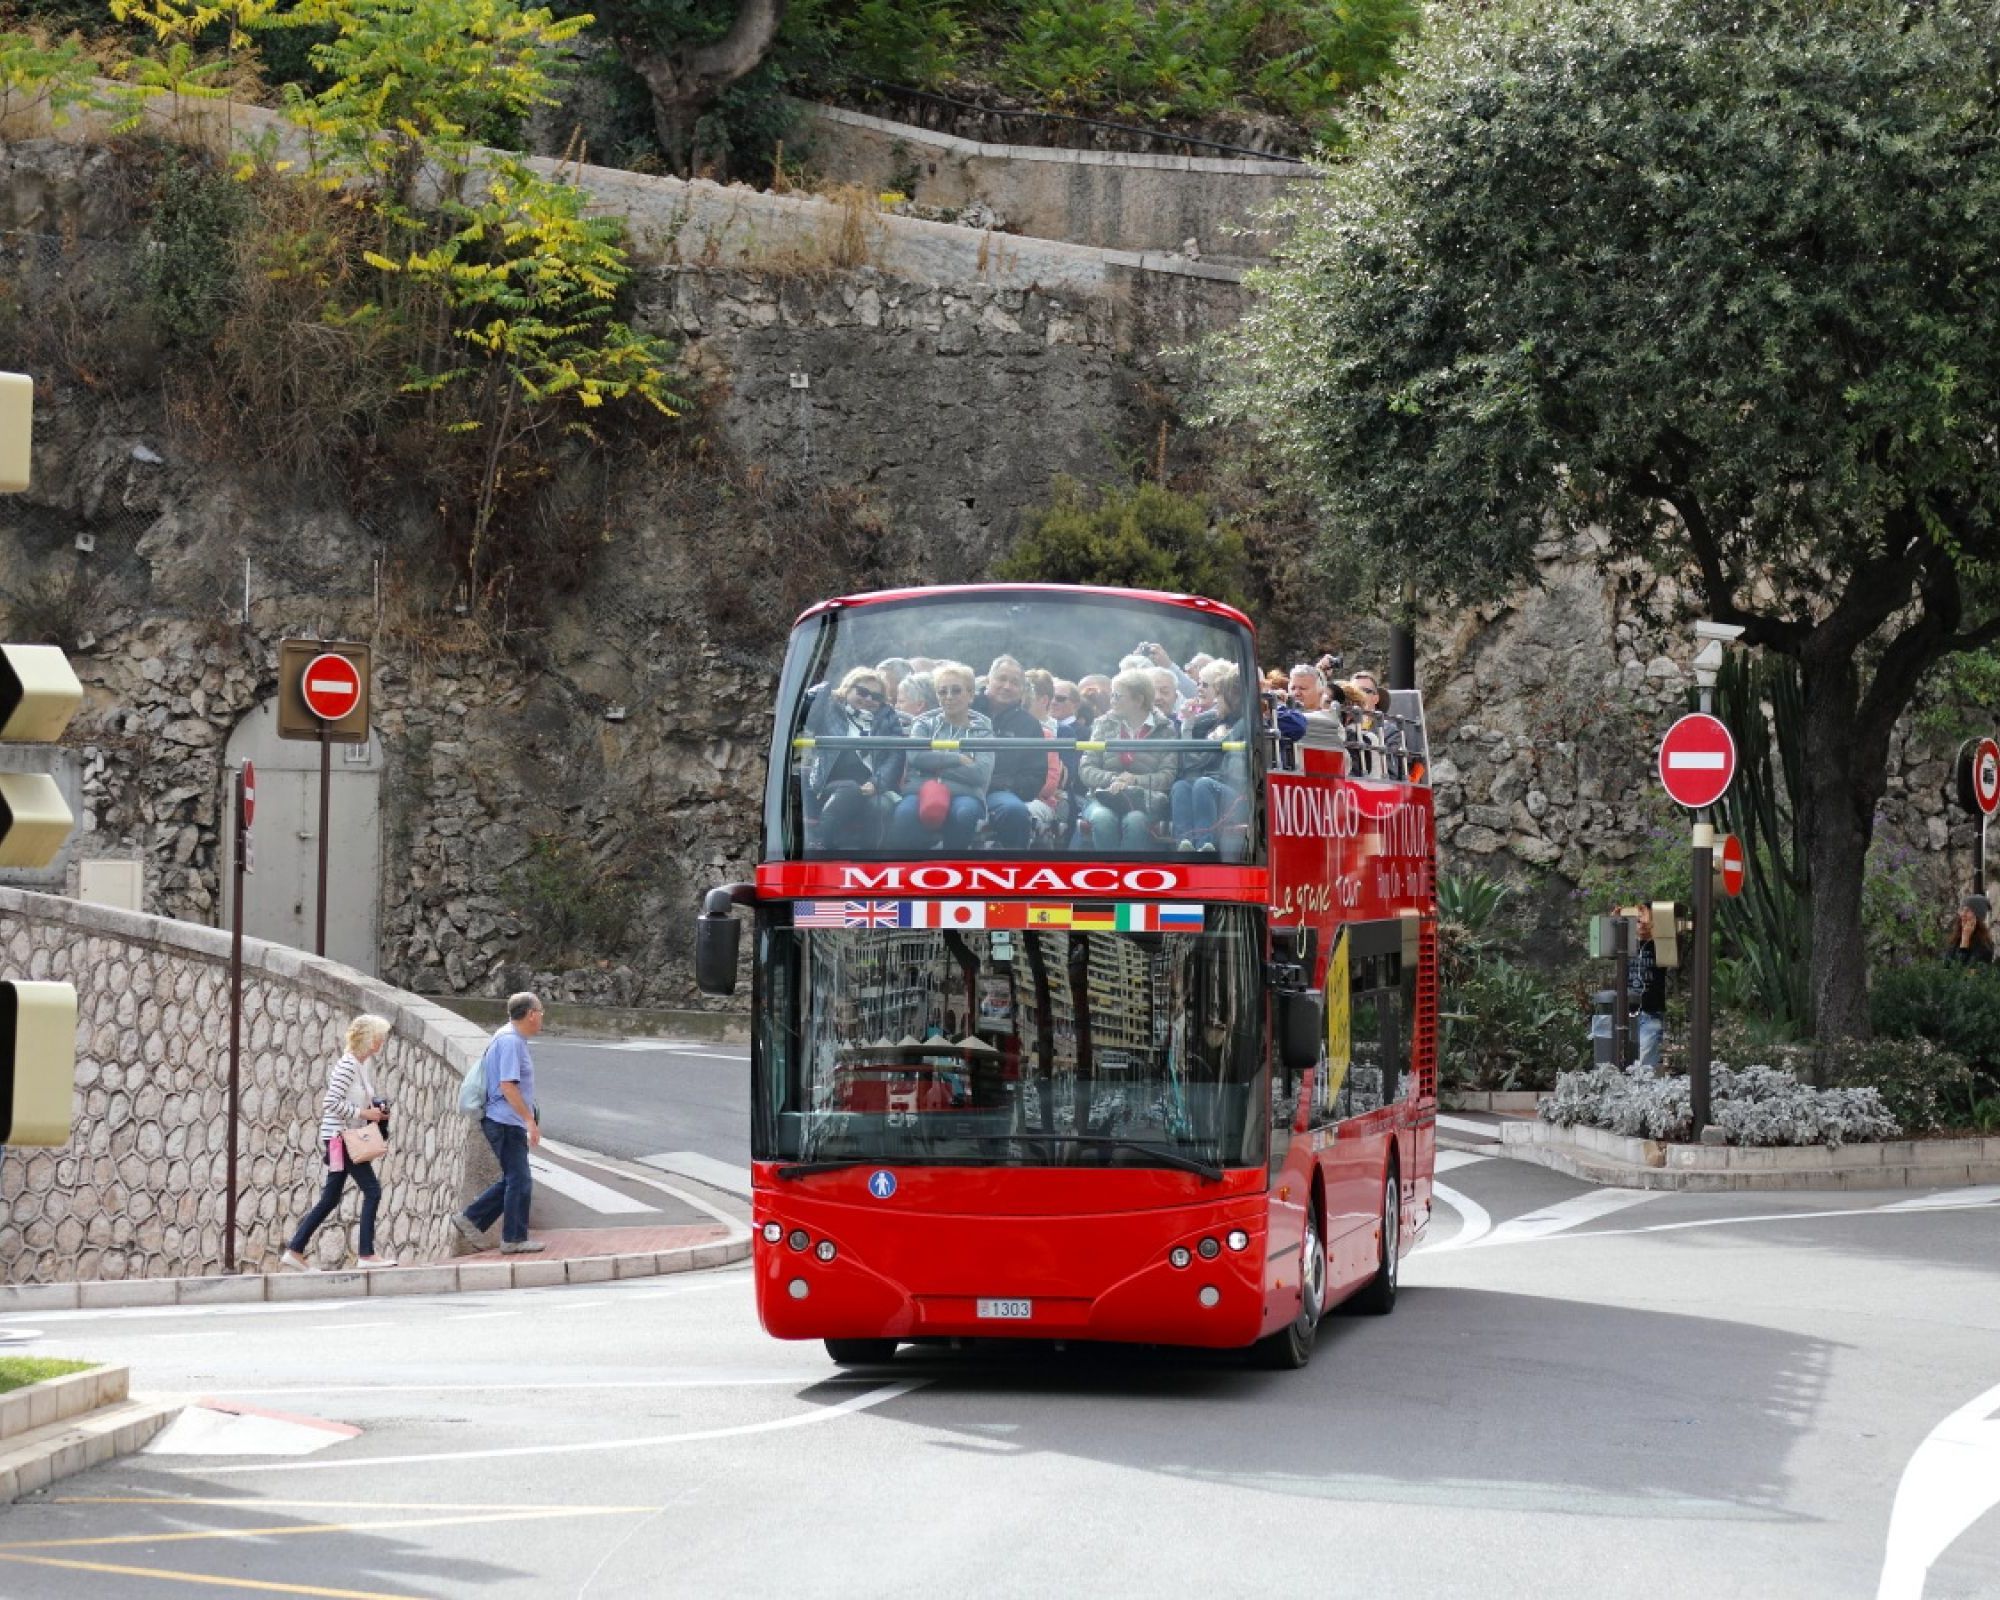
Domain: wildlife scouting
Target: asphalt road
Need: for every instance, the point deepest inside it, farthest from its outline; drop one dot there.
(643, 1097)
(1580, 1394)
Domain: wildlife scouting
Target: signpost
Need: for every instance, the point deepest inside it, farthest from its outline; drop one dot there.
(246, 813)
(323, 696)
(1979, 794)
(1697, 763)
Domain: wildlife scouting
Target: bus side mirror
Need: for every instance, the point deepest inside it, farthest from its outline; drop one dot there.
(1299, 1029)
(716, 936)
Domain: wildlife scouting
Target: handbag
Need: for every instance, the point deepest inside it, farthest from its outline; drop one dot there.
(364, 1143)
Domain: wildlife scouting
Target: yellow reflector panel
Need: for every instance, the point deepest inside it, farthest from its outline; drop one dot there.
(37, 1062)
(34, 821)
(39, 693)
(17, 430)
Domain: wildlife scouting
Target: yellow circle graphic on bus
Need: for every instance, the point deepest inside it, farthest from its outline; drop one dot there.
(1339, 1025)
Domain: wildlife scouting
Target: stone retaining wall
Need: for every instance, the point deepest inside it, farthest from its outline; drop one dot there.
(138, 1190)
(1112, 199)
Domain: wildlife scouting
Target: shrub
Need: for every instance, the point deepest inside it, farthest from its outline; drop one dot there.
(1924, 1086)
(1143, 537)
(1956, 1007)
(190, 266)
(570, 907)
(1752, 1106)
(1505, 1027)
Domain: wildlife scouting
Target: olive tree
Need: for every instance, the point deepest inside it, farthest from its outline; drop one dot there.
(1714, 284)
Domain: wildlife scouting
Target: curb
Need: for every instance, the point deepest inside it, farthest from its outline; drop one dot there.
(63, 1426)
(451, 1277)
(1598, 1157)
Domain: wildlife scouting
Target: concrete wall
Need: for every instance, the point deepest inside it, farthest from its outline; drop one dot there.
(1111, 199)
(138, 1190)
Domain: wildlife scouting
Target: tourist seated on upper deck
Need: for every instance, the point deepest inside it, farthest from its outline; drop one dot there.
(917, 695)
(944, 798)
(1095, 690)
(1124, 790)
(1021, 778)
(1374, 737)
(893, 672)
(1208, 797)
(847, 789)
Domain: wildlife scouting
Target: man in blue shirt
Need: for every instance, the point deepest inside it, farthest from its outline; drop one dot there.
(511, 1128)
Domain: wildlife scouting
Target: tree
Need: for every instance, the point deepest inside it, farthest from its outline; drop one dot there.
(1142, 537)
(687, 54)
(1705, 283)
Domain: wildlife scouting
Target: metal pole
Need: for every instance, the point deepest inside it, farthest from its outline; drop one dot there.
(325, 791)
(1403, 644)
(1621, 1002)
(235, 1030)
(1701, 959)
(1979, 858)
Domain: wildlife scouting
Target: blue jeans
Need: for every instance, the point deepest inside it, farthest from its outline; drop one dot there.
(1652, 1037)
(1198, 804)
(1110, 831)
(363, 1174)
(907, 833)
(1008, 813)
(508, 1197)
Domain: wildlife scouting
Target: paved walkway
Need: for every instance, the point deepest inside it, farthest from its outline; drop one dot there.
(565, 1244)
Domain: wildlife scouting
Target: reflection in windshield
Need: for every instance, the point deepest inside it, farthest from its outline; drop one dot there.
(1013, 1048)
(1018, 724)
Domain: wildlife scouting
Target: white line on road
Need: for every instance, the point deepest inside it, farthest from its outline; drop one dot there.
(1949, 1199)
(738, 1228)
(725, 1381)
(481, 1316)
(802, 1419)
(1558, 1218)
(1474, 1221)
(723, 1175)
(1484, 1130)
(1951, 1482)
(584, 1191)
(1447, 1160)
(1895, 1209)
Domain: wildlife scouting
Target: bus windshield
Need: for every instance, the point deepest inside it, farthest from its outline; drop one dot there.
(1013, 1047)
(1017, 723)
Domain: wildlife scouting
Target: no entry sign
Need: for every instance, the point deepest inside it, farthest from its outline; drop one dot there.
(330, 687)
(1729, 864)
(1979, 777)
(249, 795)
(1697, 760)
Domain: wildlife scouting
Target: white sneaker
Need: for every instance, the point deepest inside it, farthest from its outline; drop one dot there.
(297, 1262)
(377, 1261)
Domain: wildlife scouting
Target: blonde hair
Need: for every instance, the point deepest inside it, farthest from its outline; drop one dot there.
(366, 1032)
(871, 676)
(1137, 683)
(954, 669)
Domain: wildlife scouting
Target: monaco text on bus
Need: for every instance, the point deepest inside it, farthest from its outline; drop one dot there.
(1089, 1001)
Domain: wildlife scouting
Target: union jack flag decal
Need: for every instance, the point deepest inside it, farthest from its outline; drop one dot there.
(876, 914)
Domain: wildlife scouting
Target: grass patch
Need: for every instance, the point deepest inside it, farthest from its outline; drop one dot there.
(17, 1372)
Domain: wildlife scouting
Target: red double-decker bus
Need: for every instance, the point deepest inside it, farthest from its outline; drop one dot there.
(1123, 1035)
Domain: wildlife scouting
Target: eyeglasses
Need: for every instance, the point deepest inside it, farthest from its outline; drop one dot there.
(867, 693)
(1062, 699)
(951, 690)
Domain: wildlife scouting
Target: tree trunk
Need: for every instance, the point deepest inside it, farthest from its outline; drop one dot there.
(684, 83)
(1840, 799)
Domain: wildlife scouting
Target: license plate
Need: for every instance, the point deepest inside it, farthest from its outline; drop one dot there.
(1007, 1310)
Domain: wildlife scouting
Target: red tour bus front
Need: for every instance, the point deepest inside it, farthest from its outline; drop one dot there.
(1084, 1005)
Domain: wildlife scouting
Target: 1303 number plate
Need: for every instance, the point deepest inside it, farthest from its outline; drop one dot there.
(1007, 1310)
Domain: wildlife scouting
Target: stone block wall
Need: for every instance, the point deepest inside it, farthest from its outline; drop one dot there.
(139, 1189)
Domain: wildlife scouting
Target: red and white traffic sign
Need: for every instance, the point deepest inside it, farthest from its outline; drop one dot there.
(1697, 760)
(1986, 776)
(1729, 864)
(249, 794)
(330, 687)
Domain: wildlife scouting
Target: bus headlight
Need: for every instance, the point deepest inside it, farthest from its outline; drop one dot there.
(773, 1232)
(799, 1239)
(1178, 1256)
(825, 1250)
(1238, 1239)
(1209, 1249)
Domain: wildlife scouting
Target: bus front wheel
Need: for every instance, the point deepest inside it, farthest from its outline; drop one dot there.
(1378, 1297)
(1292, 1347)
(861, 1352)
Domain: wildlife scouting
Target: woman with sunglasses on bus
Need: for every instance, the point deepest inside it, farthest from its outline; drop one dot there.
(845, 787)
(945, 798)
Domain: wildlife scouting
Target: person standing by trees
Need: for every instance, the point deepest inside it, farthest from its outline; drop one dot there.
(1700, 284)
(1971, 939)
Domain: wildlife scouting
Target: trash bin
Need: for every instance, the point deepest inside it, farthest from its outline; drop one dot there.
(1603, 1005)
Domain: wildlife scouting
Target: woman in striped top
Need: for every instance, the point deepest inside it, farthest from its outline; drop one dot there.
(349, 1098)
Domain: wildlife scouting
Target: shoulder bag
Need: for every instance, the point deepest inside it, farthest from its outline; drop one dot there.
(364, 1143)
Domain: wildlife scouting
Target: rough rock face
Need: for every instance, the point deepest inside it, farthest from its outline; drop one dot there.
(138, 1191)
(626, 729)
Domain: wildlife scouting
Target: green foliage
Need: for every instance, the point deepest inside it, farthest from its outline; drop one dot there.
(1925, 1086)
(190, 267)
(1641, 274)
(40, 77)
(1505, 1027)
(571, 909)
(17, 1372)
(917, 42)
(1472, 901)
(1142, 537)
(1906, 898)
(1957, 1007)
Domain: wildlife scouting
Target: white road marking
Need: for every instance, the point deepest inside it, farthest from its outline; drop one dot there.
(1449, 1159)
(481, 1316)
(709, 1055)
(1568, 1214)
(1728, 1222)
(1949, 1199)
(723, 1175)
(802, 1419)
(1474, 1221)
(1484, 1130)
(738, 1228)
(723, 1381)
(586, 1192)
(1951, 1482)
(207, 1431)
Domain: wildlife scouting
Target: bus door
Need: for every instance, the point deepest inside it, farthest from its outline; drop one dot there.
(1365, 1072)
